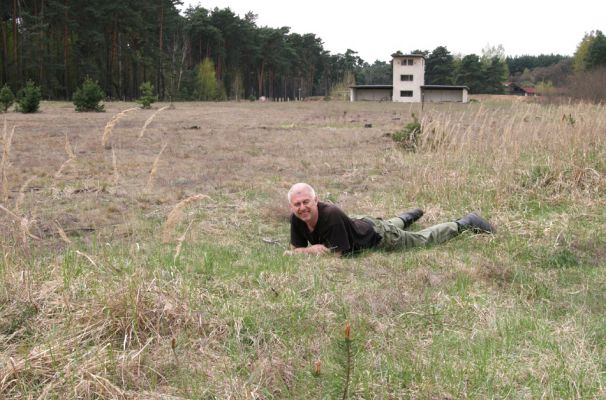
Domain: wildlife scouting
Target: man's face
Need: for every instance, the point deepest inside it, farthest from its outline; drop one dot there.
(304, 206)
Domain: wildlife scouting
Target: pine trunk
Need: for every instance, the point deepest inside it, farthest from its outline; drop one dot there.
(15, 43)
(65, 51)
(41, 46)
(260, 80)
(4, 53)
(160, 78)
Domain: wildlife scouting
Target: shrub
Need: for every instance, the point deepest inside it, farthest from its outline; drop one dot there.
(28, 98)
(589, 85)
(147, 95)
(7, 98)
(409, 136)
(87, 97)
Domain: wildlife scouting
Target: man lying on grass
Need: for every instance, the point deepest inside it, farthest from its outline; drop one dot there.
(321, 228)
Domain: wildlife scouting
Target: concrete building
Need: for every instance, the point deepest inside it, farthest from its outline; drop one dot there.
(408, 77)
(445, 93)
(409, 85)
(370, 92)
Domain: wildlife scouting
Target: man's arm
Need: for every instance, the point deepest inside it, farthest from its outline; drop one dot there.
(313, 249)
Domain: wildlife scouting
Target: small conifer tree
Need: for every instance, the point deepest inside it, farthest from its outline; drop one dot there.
(28, 98)
(147, 95)
(7, 98)
(87, 97)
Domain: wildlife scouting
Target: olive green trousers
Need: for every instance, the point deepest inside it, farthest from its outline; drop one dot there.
(395, 237)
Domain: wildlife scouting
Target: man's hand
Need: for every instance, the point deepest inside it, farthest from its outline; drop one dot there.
(314, 249)
(317, 249)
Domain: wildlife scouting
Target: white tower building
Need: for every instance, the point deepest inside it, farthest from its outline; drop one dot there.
(408, 77)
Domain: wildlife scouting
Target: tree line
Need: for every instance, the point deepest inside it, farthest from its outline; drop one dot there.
(121, 44)
(215, 54)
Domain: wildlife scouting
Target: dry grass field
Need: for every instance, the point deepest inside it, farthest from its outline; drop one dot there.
(142, 253)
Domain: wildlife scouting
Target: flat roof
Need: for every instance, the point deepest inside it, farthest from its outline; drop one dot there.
(394, 55)
(444, 87)
(371, 87)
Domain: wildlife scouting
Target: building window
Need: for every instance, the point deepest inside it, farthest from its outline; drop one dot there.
(406, 78)
(405, 93)
(407, 61)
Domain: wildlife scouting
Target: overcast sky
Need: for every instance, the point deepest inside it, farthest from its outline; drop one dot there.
(376, 29)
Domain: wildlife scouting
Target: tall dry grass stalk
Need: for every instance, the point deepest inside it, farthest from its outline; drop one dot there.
(24, 224)
(154, 170)
(62, 233)
(7, 139)
(180, 241)
(107, 132)
(62, 167)
(115, 166)
(70, 157)
(89, 258)
(68, 148)
(10, 213)
(21, 195)
(25, 233)
(149, 120)
(175, 215)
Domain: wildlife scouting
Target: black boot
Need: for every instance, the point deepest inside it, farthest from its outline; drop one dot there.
(410, 216)
(475, 223)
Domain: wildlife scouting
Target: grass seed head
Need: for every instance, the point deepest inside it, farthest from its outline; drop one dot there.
(175, 215)
(109, 127)
(149, 121)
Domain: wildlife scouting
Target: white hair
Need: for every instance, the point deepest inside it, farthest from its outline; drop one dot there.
(301, 187)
